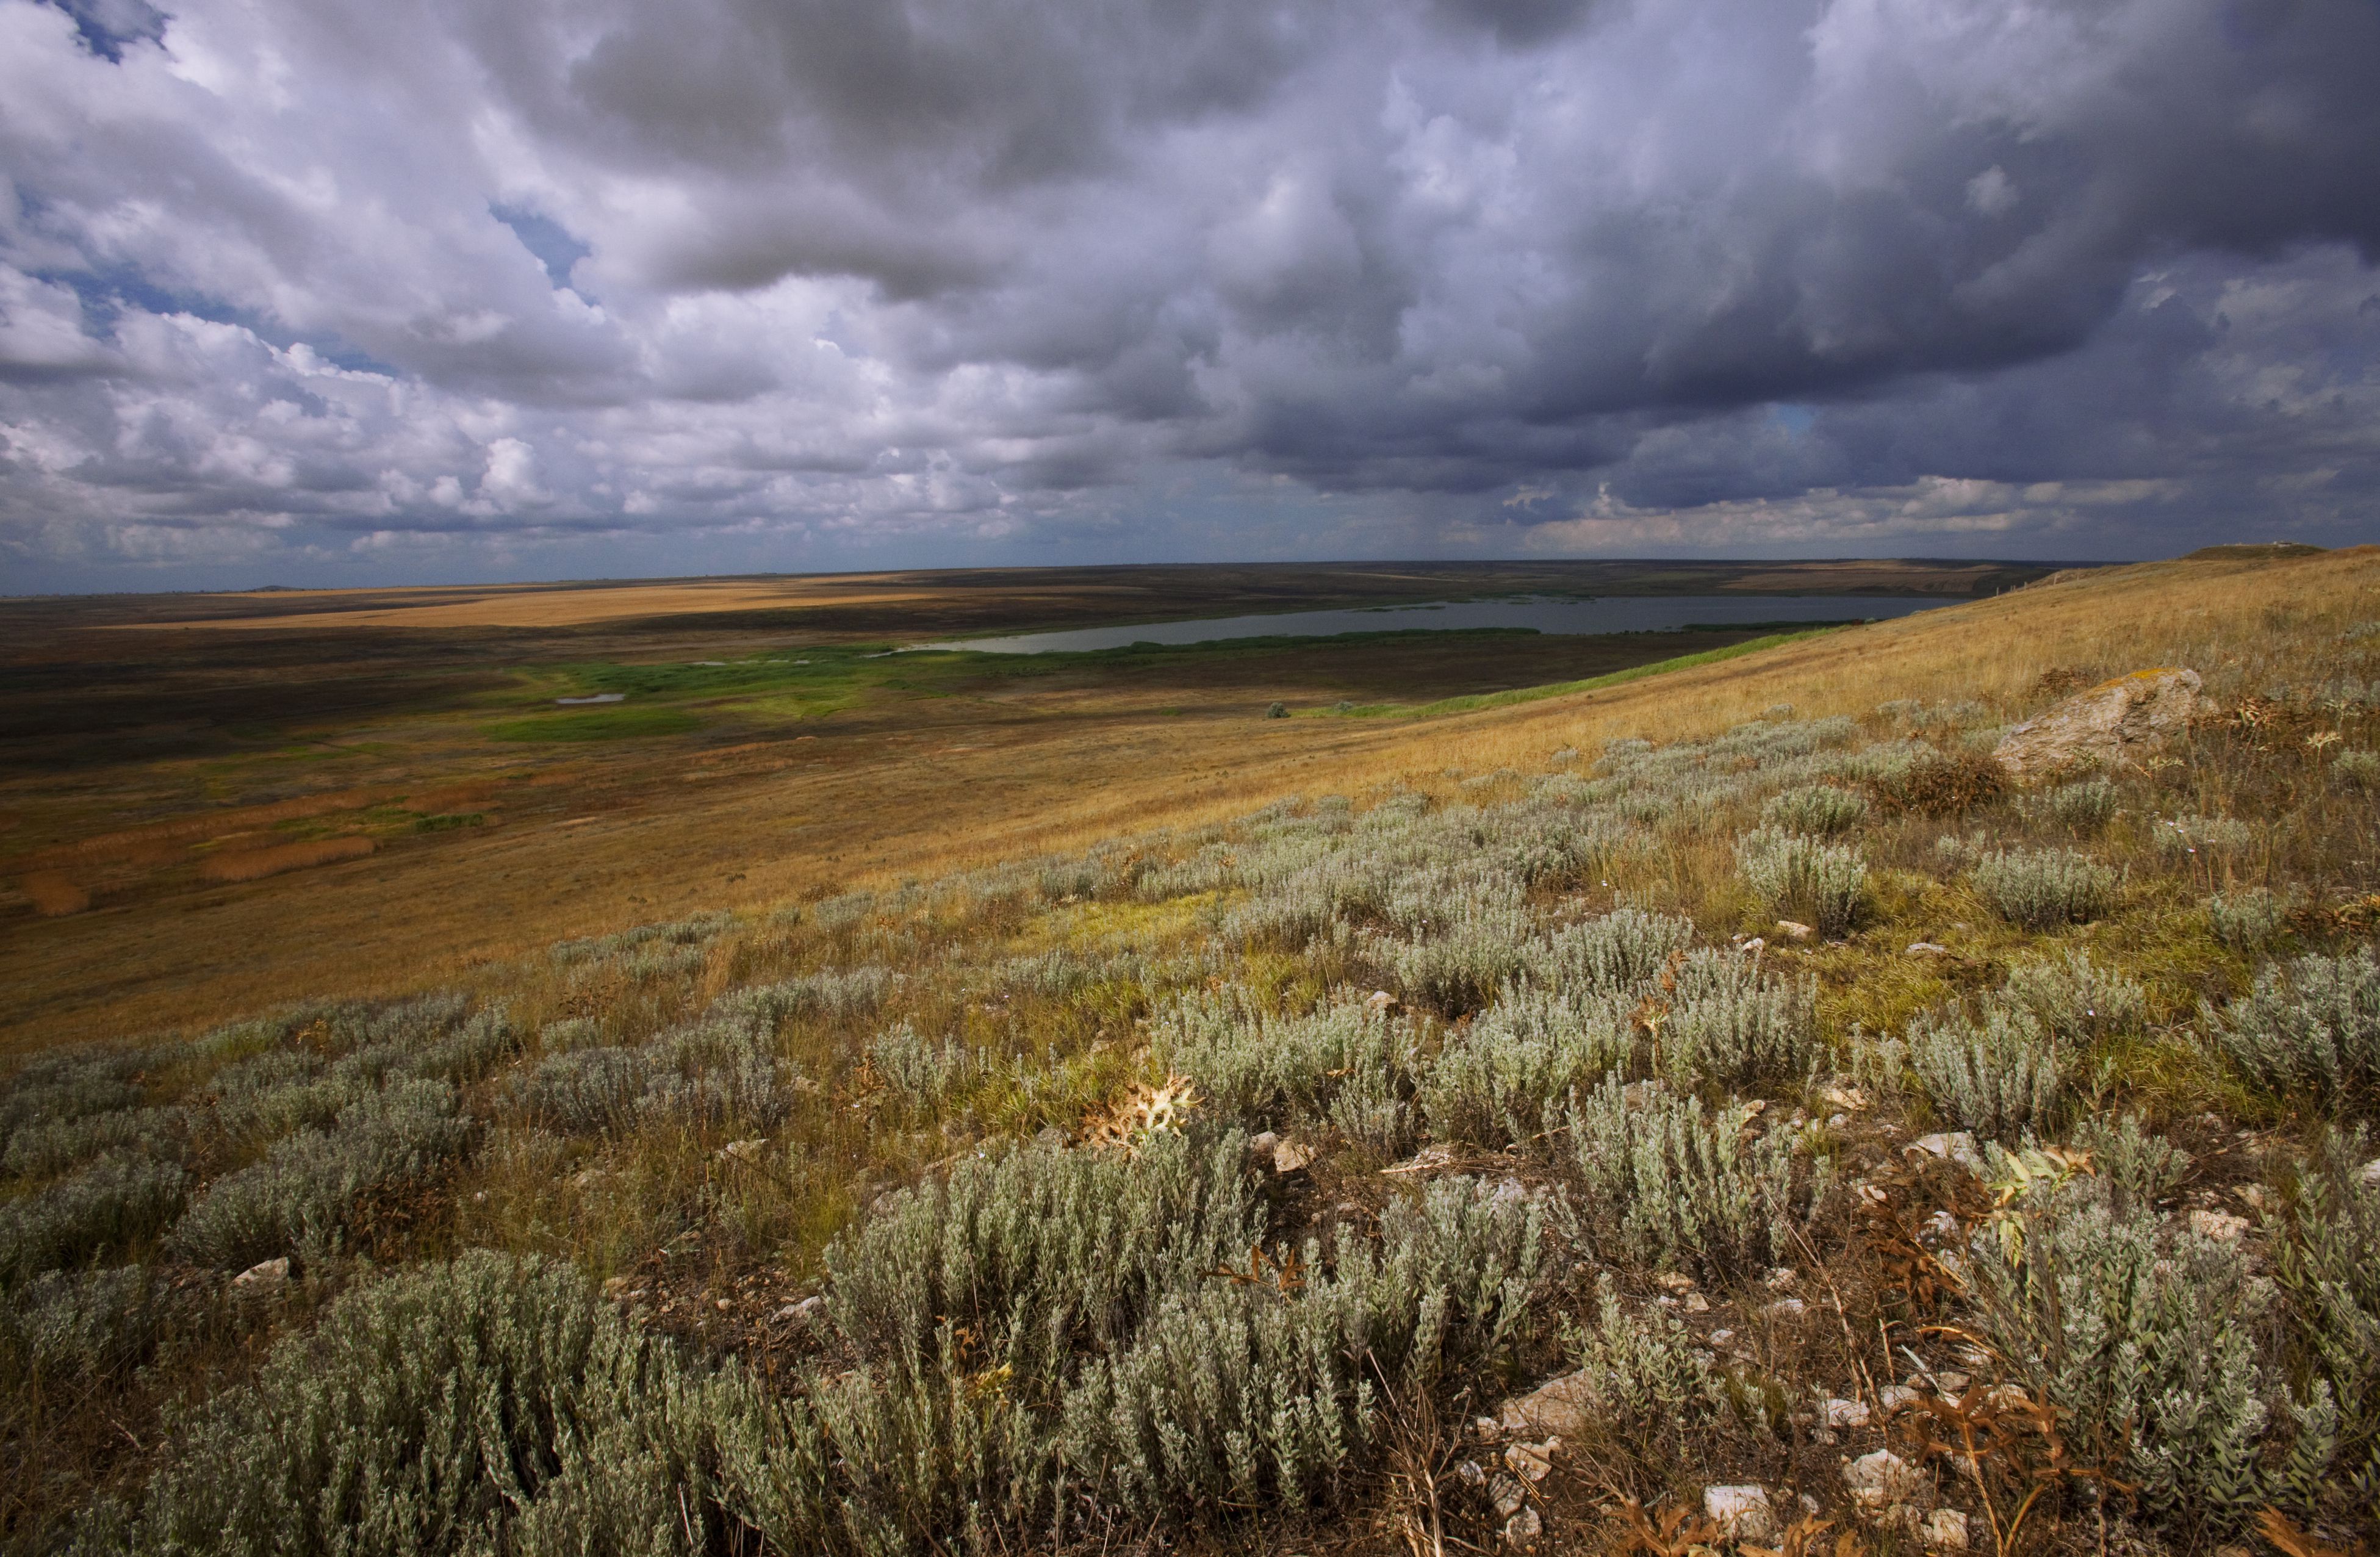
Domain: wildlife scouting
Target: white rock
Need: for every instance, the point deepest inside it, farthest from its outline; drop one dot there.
(1880, 1480)
(1795, 929)
(1507, 1493)
(1781, 1279)
(1741, 1513)
(1696, 1302)
(1951, 1382)
(1291, 1158)
(1262, 1145)
(1789, 1307)
(1945, 1528)
(1844, 1413)
(2370, 1173)
(263, 1276)
(745, 1150)
(1676, 1281)
(1521, 1531)
(1849, 1099)
(1381, 1000)
(1560, 1408)
(1895, 1397)
(1471, 1474)
(2221, 1226)
(2104, 725)
(1956, 1145)
(1531, 1460)
(1927, 949)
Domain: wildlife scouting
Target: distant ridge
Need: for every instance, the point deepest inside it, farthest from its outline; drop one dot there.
(2254, 551)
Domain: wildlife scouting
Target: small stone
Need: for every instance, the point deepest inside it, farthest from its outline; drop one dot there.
(1943, 1225)
(1521, 1531)
(1507, 1493)
(1531, 1460)
(1837, 1121)
(1291, 1158)
(1262, 1145)
(1781, 1279)
(1958, 1146)
(1485, 1427)
(1927, 949)
(1850, 1098)
(745, 1150)
(724, 1305)
(2370, 1172)
(1795, 929)
(1951, 1382)
(1696, 1302)
(1824, 1436)
(1845, 1413)
(1676, 1281)
(2221, 1226)
(1560, 1408)
(2258, 1198)
(1879, 1481)
(1755, 944)
(264, 1276)
(1945, 1528)
(615, 1287)
(1895, 1397)
(1789, 1307)
(1722, 1337)
(1471, 1475)
(1381, 1000)
(1742, 1513)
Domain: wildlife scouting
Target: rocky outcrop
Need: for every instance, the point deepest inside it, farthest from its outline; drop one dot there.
(2106, 726)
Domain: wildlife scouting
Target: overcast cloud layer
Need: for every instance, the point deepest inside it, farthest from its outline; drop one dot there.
(317, 290)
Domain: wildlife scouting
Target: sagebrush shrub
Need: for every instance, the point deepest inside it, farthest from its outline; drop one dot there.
(305, 1192)
(1670, 1182)
(1819, 810)
(1492, 1082)
(1725, 1020)
(1996, 1077)
(1650, 1372)
(2247, 920)
(923, 1078)
(1261, 1068)
(582, 1091)
(40, 1151)
(2045, 888)
(489, 1405)
(1456, 964)
(2085, 805)
(2076, 1000)
(2311, 1027)
(2141, 1336)
(1804, 875)
(115, 1203)
(2140, 1166)
(84, 1324)
(2328, 1264)
(1616, 951)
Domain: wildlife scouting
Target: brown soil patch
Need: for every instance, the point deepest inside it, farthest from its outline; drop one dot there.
(52, 894)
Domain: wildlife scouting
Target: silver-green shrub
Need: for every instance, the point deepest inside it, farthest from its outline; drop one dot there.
(2328, 1265)
(1996, 1078)
(488, 1405)
(923, 1078)
(2310, 1027)
(308, 1188)
(1455, 962)
(40, 1151)
(2085, 806)
(1730, 1021)
(1492, 1082)
(1818, 809)
(1668, 1180)
(2140, 1166)
(1261, 1068)
(2247, 920)
(1804, 875)
(1651, 1376)
(2040, 889)
(114, 1203)
(2357, 770)
(84, 1324)
(1618, 951)
(580, 1091)
(2142, 1335)
(2074, 999)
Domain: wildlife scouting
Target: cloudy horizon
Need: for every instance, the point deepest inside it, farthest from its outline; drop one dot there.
(322, 293)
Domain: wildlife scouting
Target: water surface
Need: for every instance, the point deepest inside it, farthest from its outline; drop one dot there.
(1609, 614)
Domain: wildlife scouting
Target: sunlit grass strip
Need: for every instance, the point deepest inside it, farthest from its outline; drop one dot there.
(1562, 689)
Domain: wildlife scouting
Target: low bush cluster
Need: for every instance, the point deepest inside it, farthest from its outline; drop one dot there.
(1825, 883)
(2041, 889)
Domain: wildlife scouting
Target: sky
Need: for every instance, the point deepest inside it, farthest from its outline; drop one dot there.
(330, 292)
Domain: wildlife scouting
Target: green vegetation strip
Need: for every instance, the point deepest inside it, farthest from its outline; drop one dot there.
(600, 724)
(1562, 689)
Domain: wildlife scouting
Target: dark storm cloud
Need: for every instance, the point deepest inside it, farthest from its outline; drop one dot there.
(1463, 274)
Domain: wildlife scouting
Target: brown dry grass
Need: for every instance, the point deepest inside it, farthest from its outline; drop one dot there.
(52, 894)
(956, 783)
(253, 865)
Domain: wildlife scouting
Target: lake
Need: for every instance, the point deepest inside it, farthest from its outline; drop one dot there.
(1609, 614)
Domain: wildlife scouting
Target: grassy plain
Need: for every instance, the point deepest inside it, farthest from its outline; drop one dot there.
(2040, 1166)
(762, 751)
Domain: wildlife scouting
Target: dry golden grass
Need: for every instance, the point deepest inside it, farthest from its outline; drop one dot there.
(54, 893)
(253, 865)
(599, 844)
(555, 608)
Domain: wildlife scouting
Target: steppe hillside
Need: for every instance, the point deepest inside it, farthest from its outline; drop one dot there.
(1724, 1108)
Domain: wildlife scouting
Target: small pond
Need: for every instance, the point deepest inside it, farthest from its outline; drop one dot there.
(1610, 614)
